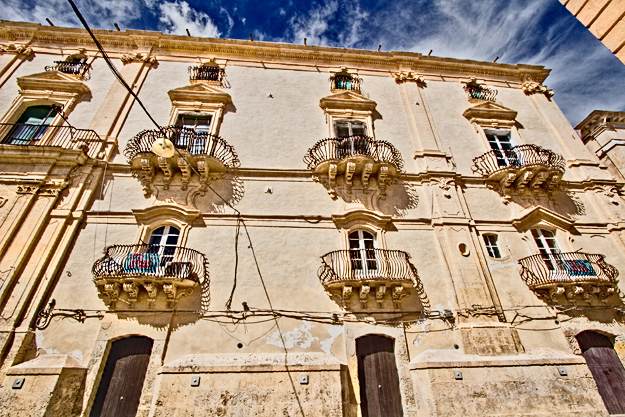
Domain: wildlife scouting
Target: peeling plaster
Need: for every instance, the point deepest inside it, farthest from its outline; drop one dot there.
(76, 354)
(334, 331)
(300, 336)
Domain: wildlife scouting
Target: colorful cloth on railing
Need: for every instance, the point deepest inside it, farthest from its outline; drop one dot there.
(579, 268)
(141, 263)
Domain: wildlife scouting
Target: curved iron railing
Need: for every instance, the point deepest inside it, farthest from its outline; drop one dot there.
(367, 265)
(544, 270)
(345, 82)
(196, 143)
(517, 157)
(480, 93)
(67, 137)
(206, 73)
(337, 149)
(74, 67)
(129, 261)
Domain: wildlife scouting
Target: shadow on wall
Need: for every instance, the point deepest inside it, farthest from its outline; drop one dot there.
(398, 200)
(567, 204)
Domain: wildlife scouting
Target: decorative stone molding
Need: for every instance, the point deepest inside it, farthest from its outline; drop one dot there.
(11, 48)
(491, 115)
(542, 217)
(139, 57)
(405, 76)
(574, 345)
(531, 87)
(351, 219)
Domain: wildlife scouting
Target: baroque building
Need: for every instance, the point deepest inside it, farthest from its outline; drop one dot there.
(324, 232)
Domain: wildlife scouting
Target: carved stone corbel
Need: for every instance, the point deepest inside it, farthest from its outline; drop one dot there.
(397, 295)
(166, 166)
(350, 168)
(132, 290)
(507, 180)
(185, 170)
(332, 171)
(202, 167)
(362, 295)
(347, 294)
(152, 291)
(534, 88)
(379, 294)
(538, 180)
(112, 291)
(523, 179)
(366, 173)
(383, 180)
(554, 292)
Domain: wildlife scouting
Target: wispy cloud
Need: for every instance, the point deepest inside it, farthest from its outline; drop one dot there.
(177, 16)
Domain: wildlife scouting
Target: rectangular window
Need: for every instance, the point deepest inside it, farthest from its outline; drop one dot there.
(548, 247)
(345, 128)
(194, 135)
(491, 246)
(500, 142)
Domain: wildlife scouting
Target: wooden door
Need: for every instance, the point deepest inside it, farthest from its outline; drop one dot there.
(122, 379)
(606, 369)
(377, 374)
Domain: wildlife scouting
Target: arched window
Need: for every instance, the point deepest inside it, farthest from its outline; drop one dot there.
(31, 125)
(362, 252)
(378, 377)
(548, 247)
(122, 380)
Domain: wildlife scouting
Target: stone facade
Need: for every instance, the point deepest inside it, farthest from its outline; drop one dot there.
(318, 199)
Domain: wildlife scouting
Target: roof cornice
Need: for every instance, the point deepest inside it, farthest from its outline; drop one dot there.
(241, 50)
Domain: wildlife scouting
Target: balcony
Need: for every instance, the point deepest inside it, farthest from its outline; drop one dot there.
(131, 269)
(209, 155)
(345, 81)
(206, 73)
(336, 162)
(521, 168)
(66, 137)
(572, 274)
(77, 67)
(479, 92)
(384, 273)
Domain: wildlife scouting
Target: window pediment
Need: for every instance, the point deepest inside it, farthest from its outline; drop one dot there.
(347, 100)
(490, 114)
(358, 218)
(545, 218)
(200, 96)
(52, 81)
(166, 213)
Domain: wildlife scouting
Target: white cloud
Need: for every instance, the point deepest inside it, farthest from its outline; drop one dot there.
(177, 16)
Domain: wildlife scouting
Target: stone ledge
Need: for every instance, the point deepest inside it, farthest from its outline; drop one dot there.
(435, 359)
(53, 364)
(268, 362)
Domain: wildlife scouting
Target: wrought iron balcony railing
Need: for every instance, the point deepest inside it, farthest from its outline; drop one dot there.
(380, 269)
(67, 137)
(522, 165)
(176, 270)
(570, 273)
(478, 92)
(334, 149)
(74, 67)
(190, 140)
(345, 82)
(206, 73)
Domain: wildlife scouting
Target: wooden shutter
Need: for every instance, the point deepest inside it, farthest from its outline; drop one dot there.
(377, 374)
(606, 369)
(122, 379)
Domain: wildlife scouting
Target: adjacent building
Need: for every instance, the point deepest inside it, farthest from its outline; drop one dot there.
(303, 231)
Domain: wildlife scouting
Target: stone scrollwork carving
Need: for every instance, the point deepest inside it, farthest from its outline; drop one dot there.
(404, 76)
(138, 57)
(531, 87)
(11, 48)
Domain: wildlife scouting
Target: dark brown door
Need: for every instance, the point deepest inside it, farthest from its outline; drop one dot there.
(122, 379)
(606, 369)
(377, 374)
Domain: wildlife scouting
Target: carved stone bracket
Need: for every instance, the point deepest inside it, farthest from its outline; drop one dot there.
(531, 87)
(405, 76)
(11, 48)
(362, 295)
(174, 290)
(138, 57)
(573, 292)
(166, 166)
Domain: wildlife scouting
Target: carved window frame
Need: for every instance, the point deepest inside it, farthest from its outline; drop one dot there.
(374, 223)
(347, 105)
(152, 218)
(199, 99)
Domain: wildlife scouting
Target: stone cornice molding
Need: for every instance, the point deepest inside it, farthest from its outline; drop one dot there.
(168, 211)
(360, 217)
(53, 81)
(489, 114)
(275, 52)
(347, 100)
(542, 216)
(199, 93)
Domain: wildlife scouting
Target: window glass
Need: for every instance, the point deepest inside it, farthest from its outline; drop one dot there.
(491, 246)
(31, 125)
(362, 251)
(194, 137)
(350, 128)
(547, 246)
(501, 144)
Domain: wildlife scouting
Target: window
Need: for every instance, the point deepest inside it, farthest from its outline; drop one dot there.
(163, 241)
(362, 252)
(491, 246)
(548, 247)
(501, 143)
(31, 125)
(343, 128)
(194, 136)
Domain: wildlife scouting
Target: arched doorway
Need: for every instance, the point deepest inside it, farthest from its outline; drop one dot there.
(606, 369)
(378, 378)
(122, 380)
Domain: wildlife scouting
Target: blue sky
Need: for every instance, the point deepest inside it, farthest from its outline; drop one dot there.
(585, 75)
